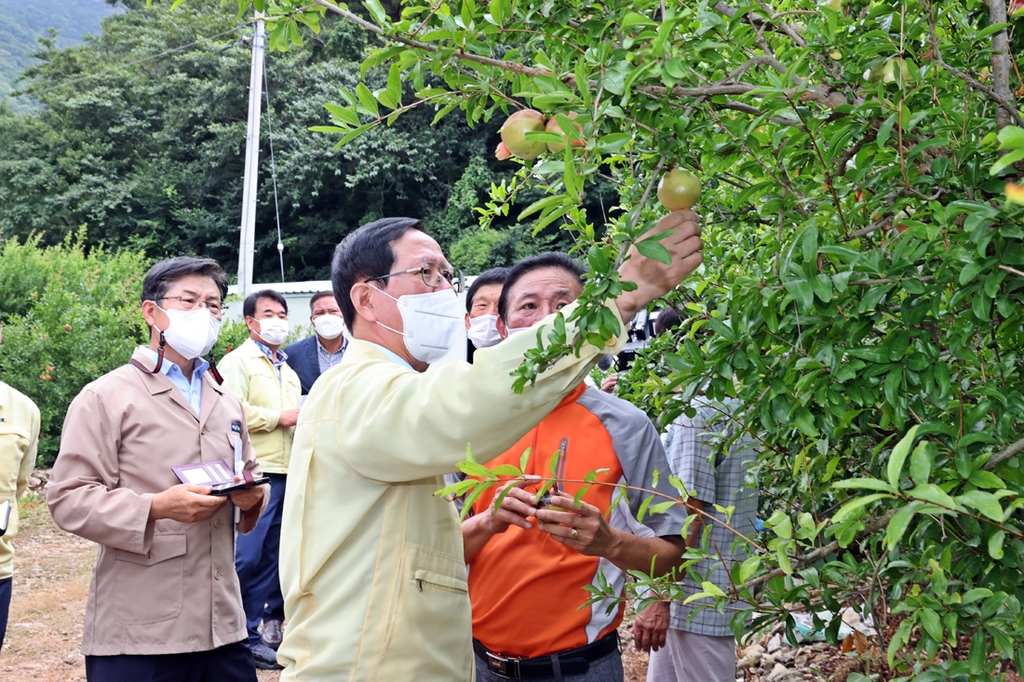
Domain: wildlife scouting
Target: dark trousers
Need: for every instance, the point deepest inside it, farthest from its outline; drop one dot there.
(256, 556)
(230, 663)
(5, 606)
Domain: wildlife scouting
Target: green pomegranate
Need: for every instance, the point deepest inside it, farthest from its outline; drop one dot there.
(513, 133)
(678, 189)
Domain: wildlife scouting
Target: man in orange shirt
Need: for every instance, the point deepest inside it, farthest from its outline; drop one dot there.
(527, 580)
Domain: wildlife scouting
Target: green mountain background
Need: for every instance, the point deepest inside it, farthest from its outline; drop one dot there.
(23, 22)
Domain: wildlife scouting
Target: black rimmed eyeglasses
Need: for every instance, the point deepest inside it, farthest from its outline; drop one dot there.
(432, 274)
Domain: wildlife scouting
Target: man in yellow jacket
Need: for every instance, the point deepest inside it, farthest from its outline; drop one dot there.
(19, 439)
(257, 374)
(372, 563)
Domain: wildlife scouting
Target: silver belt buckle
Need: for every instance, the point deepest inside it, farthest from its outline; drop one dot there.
(503, 666)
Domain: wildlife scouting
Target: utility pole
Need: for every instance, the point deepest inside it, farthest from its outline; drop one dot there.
(247, 238)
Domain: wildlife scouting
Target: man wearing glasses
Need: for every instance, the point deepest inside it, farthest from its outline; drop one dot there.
(372, 564)
(164, 602)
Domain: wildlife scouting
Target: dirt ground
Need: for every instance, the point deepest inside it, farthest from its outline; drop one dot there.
(51, 584)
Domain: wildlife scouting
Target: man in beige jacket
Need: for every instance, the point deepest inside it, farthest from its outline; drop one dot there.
(372, 563)
(164, 602)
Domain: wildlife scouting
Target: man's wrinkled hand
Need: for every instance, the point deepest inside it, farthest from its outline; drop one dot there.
(654, 279)
(515, 508)
(582, 527)
(650, 628)
(186, 503)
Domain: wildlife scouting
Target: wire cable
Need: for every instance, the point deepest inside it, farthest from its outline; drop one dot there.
(273, 166)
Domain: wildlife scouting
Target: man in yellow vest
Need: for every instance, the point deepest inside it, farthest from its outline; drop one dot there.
(257, 374)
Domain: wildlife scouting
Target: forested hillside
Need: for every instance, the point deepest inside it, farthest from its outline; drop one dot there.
(23, 23)
(141, 139)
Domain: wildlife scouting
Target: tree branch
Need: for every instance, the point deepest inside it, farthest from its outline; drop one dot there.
(1004, 455)
(818, 95)
(872, 526)
(1007, 108)
(757, 22)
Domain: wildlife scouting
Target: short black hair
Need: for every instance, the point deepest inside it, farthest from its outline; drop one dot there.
(667, 319)
(249, 305)
(551, 259)
(492, 276)
(162, 276)
(317, 296)
(363, 254)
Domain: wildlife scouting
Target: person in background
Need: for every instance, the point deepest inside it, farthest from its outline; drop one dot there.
(164, 602)
(256, 372)
(514, 564)
(372, 565)
(19, 441)
(482, 309)
(701, 647)
(667, 319)
(313, 356)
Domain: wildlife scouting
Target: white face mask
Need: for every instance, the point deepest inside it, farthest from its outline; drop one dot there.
(329, 326)
(432, 323)
(192, 333)
(516, 330)
(483, 331)
(273, 330)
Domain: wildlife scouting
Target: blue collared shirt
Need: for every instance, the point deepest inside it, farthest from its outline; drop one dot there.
(281, 356)
(192, 390)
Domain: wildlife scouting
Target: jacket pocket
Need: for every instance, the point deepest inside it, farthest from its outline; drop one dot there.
(431, 617)
(159, 573)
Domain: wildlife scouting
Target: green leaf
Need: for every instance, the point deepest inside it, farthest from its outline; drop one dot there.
(865, 484)
(850, 507)
(971, 270)
(921, 463)
(899, 523)
(930, 623)
(995, 545)
(376, 11)
(803, 294)
(633, 19)
(712, 589)
(804, 420)
(474, 469)
(506, 470)
(655, 251)
(930, 492)
(524, 458)
(899, 456)
(1007, 160)
(977, 654)
(367, 99)
(749, 567)
(608, 144)
(986, 479)
(986, 503)
(973, 595)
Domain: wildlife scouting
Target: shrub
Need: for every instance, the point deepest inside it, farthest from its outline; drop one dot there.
(70, 316)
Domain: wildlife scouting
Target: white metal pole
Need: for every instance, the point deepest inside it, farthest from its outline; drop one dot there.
(247, 239)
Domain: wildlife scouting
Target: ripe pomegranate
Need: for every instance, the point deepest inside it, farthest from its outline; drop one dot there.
(553, 127)
(678, 189)
(513, 133)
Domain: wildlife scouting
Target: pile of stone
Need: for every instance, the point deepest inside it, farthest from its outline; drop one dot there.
(771, 658)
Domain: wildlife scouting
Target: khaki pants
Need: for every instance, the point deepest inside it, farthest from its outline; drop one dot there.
(688, 657)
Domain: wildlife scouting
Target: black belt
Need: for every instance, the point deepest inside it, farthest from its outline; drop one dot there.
(571, 662)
